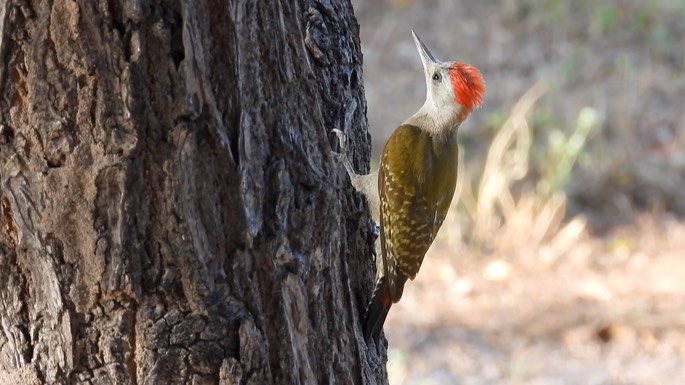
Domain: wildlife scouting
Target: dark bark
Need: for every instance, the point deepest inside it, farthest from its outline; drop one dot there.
(170, 210)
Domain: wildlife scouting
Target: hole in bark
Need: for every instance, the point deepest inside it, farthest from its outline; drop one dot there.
(354, 79)
(28, 354)
(55, 162)
(119, 27)
(117, 18)
(10, 224)
(233, 131)
(82, 81)
(6, 134)
(177, 54)
(176, 44)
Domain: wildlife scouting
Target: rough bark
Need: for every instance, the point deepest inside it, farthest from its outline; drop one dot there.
(170, 210)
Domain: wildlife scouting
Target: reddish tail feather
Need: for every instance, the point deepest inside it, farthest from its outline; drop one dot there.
(377, 311)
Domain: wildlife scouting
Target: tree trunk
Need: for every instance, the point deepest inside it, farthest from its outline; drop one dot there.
(170, 210)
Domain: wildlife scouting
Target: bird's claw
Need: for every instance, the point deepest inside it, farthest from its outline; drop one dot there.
(375, 229)
(374, 233)
(342, 139)
(341, 156)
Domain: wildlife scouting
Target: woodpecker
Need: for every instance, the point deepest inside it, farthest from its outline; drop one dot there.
(414, 185)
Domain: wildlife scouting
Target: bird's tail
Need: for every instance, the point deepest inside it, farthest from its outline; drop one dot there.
(377, 311)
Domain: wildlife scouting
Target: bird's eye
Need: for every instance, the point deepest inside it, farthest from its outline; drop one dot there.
(436, 76)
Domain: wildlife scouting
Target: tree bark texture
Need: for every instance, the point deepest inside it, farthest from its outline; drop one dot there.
(170, 210)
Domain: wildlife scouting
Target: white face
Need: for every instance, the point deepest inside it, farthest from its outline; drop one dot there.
(440, 106)
(440, 98)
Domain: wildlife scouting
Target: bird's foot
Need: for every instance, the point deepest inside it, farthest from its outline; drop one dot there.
(373, 234)
(342, 139)
(375, 229)
(341, 156)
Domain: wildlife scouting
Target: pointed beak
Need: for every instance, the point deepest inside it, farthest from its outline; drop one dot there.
(426, 56)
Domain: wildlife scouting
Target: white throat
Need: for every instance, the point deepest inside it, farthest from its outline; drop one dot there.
(436, 118)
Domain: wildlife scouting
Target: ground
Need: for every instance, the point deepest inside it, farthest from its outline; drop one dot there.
(564, 260)
(609, 311)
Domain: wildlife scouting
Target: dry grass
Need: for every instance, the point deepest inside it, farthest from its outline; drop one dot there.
(529, 220)
(609, 311)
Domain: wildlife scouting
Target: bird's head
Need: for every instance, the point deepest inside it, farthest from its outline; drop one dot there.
(454, 89)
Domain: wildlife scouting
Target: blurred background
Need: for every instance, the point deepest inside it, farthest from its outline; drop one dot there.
(563, 262)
